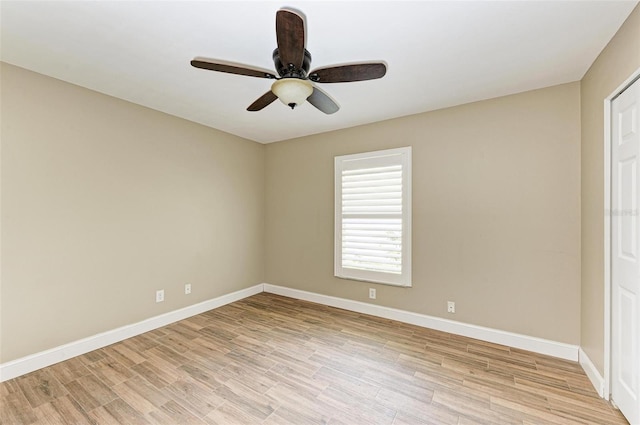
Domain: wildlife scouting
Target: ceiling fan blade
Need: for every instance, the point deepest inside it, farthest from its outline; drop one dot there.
(322, 101)
(290, 36)
(348, 73)
(262, 102)
(230, 68)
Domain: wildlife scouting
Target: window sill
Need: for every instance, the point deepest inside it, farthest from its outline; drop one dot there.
(380, 282)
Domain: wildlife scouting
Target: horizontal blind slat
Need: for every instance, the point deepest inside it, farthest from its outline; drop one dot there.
(370, 221)
(373, 203)
(373, 267)
(384, 240)
(395, 175)
(373, 209)
(382, 189)
(372, 246)
(354, 196)
(379, 255)
(357, 171)
(380, 261)
(372, 232)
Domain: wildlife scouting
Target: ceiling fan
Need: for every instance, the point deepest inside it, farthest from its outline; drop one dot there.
(294, 83)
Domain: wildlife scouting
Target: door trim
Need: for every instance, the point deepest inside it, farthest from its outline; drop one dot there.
(607, 229)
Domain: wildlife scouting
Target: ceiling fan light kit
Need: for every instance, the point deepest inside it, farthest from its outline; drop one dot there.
(294, 83)
(292, 91)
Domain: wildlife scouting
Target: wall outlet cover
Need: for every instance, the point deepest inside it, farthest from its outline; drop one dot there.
(451, 307)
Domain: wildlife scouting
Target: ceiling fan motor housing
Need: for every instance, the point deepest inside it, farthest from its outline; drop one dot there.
(285, 71)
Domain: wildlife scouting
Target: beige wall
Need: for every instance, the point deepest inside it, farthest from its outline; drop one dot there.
(615, 64)
(496, 212)
(103, 202)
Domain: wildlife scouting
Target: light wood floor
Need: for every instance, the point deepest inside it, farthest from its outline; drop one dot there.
(274, 360)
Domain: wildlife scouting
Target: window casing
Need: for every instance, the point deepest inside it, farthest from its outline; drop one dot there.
(373, 216)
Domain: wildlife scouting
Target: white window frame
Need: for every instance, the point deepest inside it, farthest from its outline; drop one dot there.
(397, 156)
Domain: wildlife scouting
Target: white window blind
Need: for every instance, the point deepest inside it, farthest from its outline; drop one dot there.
(373, 216)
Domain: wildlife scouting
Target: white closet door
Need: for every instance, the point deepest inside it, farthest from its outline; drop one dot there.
(625, 261)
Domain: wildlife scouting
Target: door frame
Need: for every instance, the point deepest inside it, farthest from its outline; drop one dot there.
(607, 230)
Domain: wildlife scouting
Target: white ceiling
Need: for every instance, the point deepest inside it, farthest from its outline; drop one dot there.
(439, 54)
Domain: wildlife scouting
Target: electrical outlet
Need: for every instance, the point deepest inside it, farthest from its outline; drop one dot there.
(160, 295)
(187, 288)
(372, 293)
(451, 307)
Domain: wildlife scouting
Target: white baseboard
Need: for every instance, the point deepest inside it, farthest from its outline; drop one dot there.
(592, 372)
(49, 357)
(524, 342)
(55, 355)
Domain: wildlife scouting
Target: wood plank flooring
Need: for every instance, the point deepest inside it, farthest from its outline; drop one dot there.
(274, 360)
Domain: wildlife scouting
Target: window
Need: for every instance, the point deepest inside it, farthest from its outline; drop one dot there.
(373, 216)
